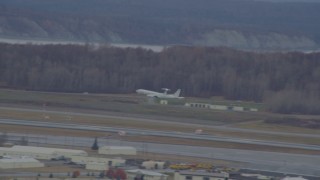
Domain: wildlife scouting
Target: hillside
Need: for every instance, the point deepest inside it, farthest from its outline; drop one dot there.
(245, 24)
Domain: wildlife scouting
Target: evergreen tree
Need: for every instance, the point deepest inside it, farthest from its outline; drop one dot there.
(95, 145)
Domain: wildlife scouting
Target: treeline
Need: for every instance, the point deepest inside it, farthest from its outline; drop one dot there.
(288, 82)
(268, 26)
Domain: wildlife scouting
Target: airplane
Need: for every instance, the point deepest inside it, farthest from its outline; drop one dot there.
(159, 94)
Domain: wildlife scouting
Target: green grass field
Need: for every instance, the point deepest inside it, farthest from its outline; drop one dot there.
(134, 104)
(127, 103)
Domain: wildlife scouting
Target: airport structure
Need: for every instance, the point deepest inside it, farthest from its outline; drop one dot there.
(19, 162)
(294, 178)
(108, 161)
(117, 150)
(41, 152)
(153, 165)
(189, 175)
(219, 107)
(147, 175)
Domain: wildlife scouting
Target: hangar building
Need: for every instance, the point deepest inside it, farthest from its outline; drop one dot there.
(41, 152)
(21, 162)
(108, 161)
(153, 164)
(147, 175)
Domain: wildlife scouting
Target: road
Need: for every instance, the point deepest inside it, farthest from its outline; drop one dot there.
(172, 134)
(269, 161)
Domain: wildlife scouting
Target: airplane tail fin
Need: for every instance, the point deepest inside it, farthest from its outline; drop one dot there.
(177, 93)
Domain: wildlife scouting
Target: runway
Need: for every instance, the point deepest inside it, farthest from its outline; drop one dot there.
(158, 119)
(172, 134)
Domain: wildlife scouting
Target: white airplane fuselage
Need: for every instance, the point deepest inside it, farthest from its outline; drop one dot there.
(158, 94)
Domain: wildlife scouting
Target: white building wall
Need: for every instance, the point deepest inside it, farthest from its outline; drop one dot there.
(85, 160)
(147, 176)
(16, 152)
(238, 108)
(41, 152)
(19, 163)
(152, 164)
(218, 107)
(178, 176)
(253, 109)
(69, 154)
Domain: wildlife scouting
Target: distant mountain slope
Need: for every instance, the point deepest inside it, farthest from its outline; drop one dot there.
(244, 24)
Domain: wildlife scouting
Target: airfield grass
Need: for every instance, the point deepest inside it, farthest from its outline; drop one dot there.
(260, 125)
(123, 122)
(127, 103)
(152, 139)
(132, 104)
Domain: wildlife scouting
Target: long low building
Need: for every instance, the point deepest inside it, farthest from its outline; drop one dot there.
(108, 161)
(146, 175)
(153, 164)
(41, 152)
(189, 175)
(20, 162)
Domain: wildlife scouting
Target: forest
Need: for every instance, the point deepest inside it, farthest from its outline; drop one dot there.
(286, 82)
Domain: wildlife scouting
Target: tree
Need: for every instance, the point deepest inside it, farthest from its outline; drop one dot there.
(3, 139)
(120, 174)
(235, 75)
(110, 173)
(95, 145)
(75, 174)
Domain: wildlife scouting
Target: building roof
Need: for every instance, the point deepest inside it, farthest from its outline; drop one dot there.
(144, 172)
(18, 160)
(97, 163)
(204, 174)
(294, 178)
(45, 150)
(158, 162)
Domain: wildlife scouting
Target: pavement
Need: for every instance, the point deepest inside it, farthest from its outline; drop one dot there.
(268, 161)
